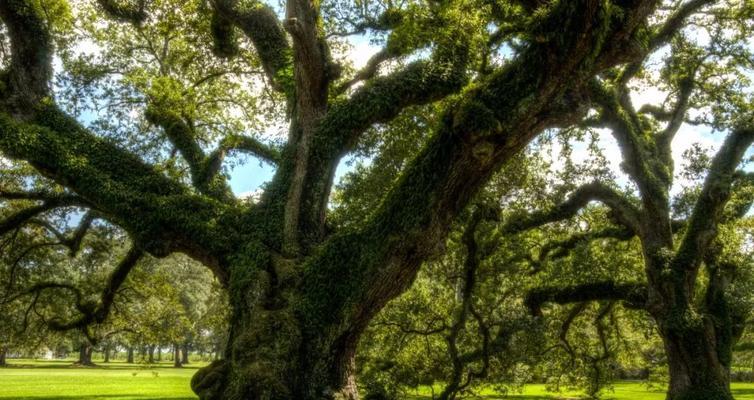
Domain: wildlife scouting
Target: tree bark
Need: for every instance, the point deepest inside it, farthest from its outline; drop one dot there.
(151, 354)
(159, 353)
(185, 353)
(3, 352)
(269, 356)
(177, 356)
(85, 355)
(106, 353)
(698, 340)
(695, 369)
(130, 355)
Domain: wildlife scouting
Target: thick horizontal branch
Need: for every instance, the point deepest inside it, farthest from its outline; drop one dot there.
(132, 11)
(625, 211)
(559, 248)
(633, 294)
(126, 191)
(40, 195)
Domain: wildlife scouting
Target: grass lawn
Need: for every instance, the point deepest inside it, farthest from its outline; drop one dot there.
(622, 391)
(58, 380)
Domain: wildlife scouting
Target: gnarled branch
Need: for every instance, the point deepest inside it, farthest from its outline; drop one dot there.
(716, 191)
(260, 24)
(632, 294)
(624, 210)
(125, 10)
(92, 313)
(22, 217)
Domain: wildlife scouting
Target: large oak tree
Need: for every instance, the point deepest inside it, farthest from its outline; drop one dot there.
(302, 291)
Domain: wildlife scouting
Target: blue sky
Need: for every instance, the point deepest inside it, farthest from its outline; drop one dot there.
(251, 174)
(247, 173)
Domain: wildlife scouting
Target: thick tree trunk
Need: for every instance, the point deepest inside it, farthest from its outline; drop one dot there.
(130, 355)
(151, 354)
(185, 353)
(696, 371)
(3, 352)
(698, 340)
(106, 353)
(177, 356)
(159, 353)
(267, 357)
(85, 355)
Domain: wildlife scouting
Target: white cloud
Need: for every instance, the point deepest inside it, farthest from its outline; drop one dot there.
(252, 196)
(361, 51)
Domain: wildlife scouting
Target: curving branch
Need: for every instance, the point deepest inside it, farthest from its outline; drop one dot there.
(677, 116)
(626, 212)
(369, 71)
(125, 10)
(75, 240)
(663, 34)
(24, 216)
(561, 248)
(97, 313)
(260, 24)
(676, 22)
(633, 295)
(709, 208)
(471, 265)
(181, 134)
(381, 99)
(627, 131)
(575, 311)
(244, 144)
(116, 183)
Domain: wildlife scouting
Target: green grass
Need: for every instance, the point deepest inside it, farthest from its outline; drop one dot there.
(59, 380)
(621, 391)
